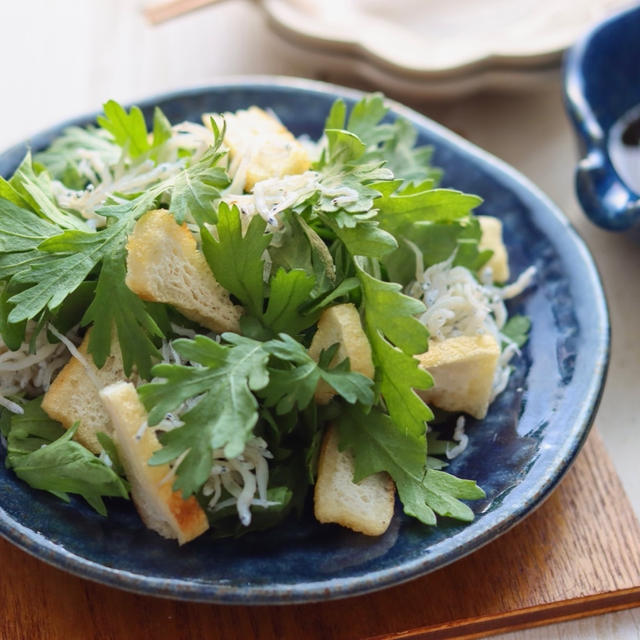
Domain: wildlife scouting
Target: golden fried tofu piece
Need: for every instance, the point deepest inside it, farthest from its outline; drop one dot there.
(73, 395)
(463, 369)
(492, 239)
(165, 265)
(270, 148)
(366, 507)
(341, 324)
(160, 507)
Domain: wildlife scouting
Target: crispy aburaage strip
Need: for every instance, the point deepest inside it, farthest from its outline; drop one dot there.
(73, 395)
(165, 265)
(366, 507)
(492, 239)
(160, 507)
(265, 146)
(463, 368)
(341, 325)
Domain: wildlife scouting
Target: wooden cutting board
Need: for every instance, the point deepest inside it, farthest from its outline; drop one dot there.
(579, 554)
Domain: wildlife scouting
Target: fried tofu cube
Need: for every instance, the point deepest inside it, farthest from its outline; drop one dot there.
(165, 265)
(492, 239)
(365, 507)
(161, 508)
(463, 369)
(73, 395)
(341, 324)
(271, 149)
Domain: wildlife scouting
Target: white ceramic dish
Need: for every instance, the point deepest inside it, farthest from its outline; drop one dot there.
(435, 48)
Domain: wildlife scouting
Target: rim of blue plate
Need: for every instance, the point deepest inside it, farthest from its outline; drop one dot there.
(586, 289)
(594, 103)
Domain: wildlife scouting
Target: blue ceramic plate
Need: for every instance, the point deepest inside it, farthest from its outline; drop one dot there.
(517, 454)
(602, 86)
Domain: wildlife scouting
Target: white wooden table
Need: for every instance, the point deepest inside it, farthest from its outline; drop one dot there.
(63, 58)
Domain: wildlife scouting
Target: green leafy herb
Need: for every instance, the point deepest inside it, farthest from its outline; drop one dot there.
(296, 245)
(289, 290)
(294, 384)
(385, 141)
(129, 130)
(194, 191)
(395, 335)
(161, 129)
(225, 415)
(66, 153)
(29, 431)
(228, 377)
(72, 257)
(43, 454)
(436, 221)
(21, 230)
(9, 192)
(345, 179)
(236, 258)
(517, 329)
(226, 523)
(365, 121)
(115, 306)
(367, 240)
(109, 447)
(406, 161)
(378, 445)
(400, 210)
(35, 192)
(13, 334)
(437, 241)
(346, 287)
(349, 178)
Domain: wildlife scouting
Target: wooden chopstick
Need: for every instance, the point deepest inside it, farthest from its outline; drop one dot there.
(170, 9)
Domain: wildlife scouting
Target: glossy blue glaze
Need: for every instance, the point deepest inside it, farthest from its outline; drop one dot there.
(518, 453)
(602, 83)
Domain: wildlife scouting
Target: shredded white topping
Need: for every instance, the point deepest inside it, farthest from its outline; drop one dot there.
(106, 183)
(22, 371)
(238, 170)
(190, 136)
(104, 457)
(140, 432)
(183, 331)
(73, 350)
(460, 437)
(10, 405)
(245, 478)
(108, 179)
(458, 305)
(313, 148)
(272, 196)
(169, 354)
(172, 471)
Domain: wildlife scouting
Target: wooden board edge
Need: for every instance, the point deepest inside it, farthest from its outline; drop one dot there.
(554, 612)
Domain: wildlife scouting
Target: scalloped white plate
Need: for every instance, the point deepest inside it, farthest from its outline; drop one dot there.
(427, 46)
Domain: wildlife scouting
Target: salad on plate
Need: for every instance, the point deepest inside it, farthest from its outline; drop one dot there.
(216, 319)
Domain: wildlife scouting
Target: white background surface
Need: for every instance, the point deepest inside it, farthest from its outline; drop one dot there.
(63, 58)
